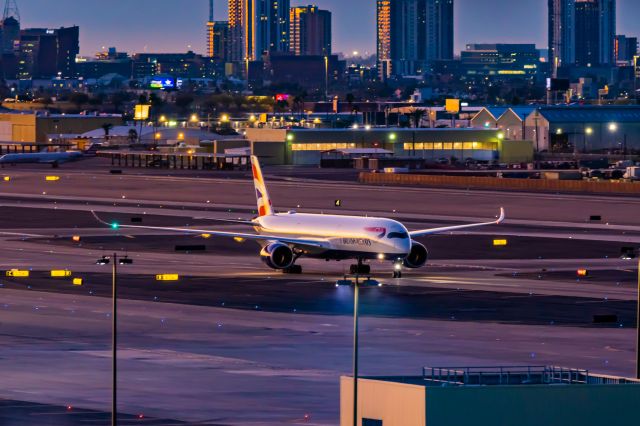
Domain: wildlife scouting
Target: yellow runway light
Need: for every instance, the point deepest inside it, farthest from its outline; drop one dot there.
(167, 277)
(17, 273)
(583, 273)
(76, 238)
(77, 281)
(206, 235)
(239, 239)
(6, 178)
(52, 178)
(499, 243)
(60, 273)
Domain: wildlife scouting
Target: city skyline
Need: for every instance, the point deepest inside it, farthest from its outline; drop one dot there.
(145, 26)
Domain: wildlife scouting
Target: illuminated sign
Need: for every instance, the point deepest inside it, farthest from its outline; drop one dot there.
(165, 83)
(52, 178)
(141, 112)
(511, 72)
(167, 277)
(282, 97)
(17, 273)
(452, 106)
(500, 243)
(60, 273)
(77, 281)
(583, 273)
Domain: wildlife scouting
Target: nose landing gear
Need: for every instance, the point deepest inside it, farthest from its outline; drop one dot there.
(397, 269)
(360, 268)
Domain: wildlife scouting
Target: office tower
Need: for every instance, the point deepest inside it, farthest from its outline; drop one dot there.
(625, 48)
(581, 33)
(412, 34)
(220, 48)
(587, 37)
(45, 53)
(309, 31)
(257, 27)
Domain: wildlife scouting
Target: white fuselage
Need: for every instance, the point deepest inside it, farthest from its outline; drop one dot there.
(347, 236)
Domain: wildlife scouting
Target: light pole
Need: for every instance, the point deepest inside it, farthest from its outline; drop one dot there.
(356, 305)
(105, 260)
(638, 325)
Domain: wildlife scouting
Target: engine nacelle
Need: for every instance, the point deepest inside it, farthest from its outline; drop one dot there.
(277, 256)
(417, 257)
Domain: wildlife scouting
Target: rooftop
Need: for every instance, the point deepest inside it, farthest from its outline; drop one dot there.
(507, 376)
(591, 114)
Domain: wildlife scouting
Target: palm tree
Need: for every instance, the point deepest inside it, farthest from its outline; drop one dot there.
(416, 115)
(133, 136)
(107, 128)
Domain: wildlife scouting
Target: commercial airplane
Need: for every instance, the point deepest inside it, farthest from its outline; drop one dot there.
(53, 158)
(285, 237)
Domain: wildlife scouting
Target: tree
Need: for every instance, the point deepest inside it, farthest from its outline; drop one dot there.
(133, 136)
(416, 115)
(118, 99)
(107, 128)
(184, 100)
(78, 99)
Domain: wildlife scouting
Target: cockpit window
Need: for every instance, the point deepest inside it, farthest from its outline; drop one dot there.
(398, 235)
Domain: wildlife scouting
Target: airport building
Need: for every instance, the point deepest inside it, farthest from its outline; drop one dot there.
(30, 127)
(523, 396)
(310, 146)
(510, 120)
(585, 129)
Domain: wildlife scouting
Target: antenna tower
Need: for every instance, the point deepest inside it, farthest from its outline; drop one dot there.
(11, 9)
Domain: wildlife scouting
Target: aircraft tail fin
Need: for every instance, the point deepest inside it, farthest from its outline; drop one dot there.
(265, 207)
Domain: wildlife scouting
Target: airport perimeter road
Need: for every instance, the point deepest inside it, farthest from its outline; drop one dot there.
(320, 196)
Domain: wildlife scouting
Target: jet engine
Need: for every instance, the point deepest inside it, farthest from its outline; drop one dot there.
(417, 257)
(277, 256)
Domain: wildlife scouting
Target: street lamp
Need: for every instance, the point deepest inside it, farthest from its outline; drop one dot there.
(115, 261)
(587, 132)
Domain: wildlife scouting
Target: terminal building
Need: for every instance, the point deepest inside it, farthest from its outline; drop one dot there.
(309, 146)
(523, 396)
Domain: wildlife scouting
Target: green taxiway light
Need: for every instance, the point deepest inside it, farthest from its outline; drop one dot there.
(115, 225)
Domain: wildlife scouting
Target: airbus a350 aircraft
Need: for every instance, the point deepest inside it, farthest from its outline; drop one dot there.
(285, 237)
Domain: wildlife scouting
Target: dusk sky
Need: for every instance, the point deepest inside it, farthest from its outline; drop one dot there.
(173, 25)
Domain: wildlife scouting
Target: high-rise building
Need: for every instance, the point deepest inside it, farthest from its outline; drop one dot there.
(220, 48)
(625, 48)
(587, 38)
(581, 33)
(309, 31)
(210, 25)
(45, 53)
(257, 27)
(412, 34)
(9, 34)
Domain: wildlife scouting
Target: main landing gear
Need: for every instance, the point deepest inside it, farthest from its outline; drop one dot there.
(293, 269)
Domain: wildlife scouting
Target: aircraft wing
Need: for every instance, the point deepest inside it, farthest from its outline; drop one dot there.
(423, 232)
(306, 242)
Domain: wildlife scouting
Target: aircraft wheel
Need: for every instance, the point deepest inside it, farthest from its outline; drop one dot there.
(360, 269)
(293, 269)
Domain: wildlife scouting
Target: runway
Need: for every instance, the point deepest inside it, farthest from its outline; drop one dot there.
(232, 334)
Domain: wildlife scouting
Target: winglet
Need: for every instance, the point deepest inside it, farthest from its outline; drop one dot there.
(502, 216)
(98, 218)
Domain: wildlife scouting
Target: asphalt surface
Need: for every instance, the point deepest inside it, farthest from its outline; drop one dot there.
(197, 349)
